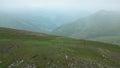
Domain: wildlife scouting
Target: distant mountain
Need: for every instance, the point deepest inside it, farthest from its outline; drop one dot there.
(103, 24)
(24, 49)
(35, 20)
(36, 24)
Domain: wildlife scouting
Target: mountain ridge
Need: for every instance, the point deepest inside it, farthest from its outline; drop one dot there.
(101, 23)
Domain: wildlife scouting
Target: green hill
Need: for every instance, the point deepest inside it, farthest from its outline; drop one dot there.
(102, 24)
(23, 49)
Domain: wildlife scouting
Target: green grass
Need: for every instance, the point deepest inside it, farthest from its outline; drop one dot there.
(45, 51)
(1, 65)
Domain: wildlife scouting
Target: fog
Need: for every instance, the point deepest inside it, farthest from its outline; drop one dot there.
(76, 5)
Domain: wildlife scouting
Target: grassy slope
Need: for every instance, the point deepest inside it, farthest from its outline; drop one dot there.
(104, 24)
(22, 48)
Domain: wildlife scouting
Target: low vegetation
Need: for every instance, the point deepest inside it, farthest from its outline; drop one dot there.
(23, 49)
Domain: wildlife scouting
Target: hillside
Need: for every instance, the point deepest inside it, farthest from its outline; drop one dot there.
(100, 26)
(23, 49)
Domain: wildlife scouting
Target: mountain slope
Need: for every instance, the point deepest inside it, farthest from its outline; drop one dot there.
(36, 20)
(101, 24)
(31, 23)
(23, 49)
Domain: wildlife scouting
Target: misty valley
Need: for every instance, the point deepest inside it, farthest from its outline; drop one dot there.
(100, 26)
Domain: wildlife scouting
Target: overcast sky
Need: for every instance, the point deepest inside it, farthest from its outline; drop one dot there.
(87, 5)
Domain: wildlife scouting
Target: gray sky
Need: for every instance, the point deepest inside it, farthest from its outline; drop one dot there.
(87, 5)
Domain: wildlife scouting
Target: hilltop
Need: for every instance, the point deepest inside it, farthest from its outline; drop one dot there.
(24, 49)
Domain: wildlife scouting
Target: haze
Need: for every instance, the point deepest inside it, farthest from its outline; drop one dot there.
(76, 5)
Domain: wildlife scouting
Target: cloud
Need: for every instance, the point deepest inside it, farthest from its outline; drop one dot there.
(65, 4)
